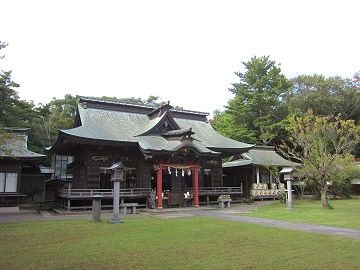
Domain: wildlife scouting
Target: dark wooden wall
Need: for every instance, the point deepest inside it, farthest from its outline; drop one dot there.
(215, 166)
(355, 189)
(237, 176)
(144, 170)
(33, 185)
(10, 165)
(30, 181)
(87, 170)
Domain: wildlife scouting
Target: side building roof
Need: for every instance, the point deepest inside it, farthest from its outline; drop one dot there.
(16, 146)
(261, 156)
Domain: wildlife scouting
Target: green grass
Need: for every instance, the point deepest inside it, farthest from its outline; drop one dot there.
(187, 243)
(346, 213)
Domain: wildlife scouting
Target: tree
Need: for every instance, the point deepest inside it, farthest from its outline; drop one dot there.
(5, 138)
(256, 108)
(7, 97)
(2, 46)
(323, 144)
(356, 80)
(151, 100)
(225, 123)
(8, 94)
(324, 96)
(57, 114)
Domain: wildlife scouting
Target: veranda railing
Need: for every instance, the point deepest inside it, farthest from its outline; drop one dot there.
(86, 193)
(217, 190)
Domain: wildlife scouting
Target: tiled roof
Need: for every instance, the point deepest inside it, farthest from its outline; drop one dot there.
(16, 146)
(120, 124)
(261, 156)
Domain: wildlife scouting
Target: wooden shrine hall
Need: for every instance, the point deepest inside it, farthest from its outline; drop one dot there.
(173, 157)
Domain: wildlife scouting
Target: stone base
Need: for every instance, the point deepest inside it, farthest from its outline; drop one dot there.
(12, 209)
(112, 221)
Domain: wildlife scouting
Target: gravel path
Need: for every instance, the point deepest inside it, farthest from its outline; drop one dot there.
(313, 228)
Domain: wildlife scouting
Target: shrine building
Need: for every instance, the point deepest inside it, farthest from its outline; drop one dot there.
(173, 156)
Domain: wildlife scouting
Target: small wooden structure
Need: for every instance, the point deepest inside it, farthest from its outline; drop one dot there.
(20, 177)
(257, 170)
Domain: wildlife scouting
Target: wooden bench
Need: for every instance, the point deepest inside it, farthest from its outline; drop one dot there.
(132, 207)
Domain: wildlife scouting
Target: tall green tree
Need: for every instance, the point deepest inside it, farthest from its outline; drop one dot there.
(323, 144)
(8, 96)
(257, 107)
(57, 114)
(226, 124)
(151, 100)
(13, 111)
(356, 80)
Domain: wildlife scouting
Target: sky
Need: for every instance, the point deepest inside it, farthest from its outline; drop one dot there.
(183, 51)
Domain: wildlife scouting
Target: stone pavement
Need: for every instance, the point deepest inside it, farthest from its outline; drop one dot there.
(30, 215)
(233, 214)
(313, 228)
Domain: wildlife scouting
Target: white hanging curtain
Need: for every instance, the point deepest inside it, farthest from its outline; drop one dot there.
(2, 182)
(11, 182)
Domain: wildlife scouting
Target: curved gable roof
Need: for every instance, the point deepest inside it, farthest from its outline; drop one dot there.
(128, 126)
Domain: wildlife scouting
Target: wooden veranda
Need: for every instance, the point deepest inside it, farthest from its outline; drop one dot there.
(67, 195)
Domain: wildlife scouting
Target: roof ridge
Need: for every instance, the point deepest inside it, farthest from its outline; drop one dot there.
(118, 102)
(110, 101)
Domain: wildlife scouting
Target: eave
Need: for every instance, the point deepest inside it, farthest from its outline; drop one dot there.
(64, 138)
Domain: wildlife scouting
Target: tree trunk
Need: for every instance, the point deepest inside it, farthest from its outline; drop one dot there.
(324, 196)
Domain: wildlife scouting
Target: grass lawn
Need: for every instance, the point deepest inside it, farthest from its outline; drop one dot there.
(186, 243)
(346, 213)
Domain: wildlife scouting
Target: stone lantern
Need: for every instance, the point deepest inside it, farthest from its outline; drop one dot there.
(288, 177)
(117, 175)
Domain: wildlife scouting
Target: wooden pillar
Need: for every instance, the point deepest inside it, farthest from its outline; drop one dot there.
(159, 187)
(196, 186)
